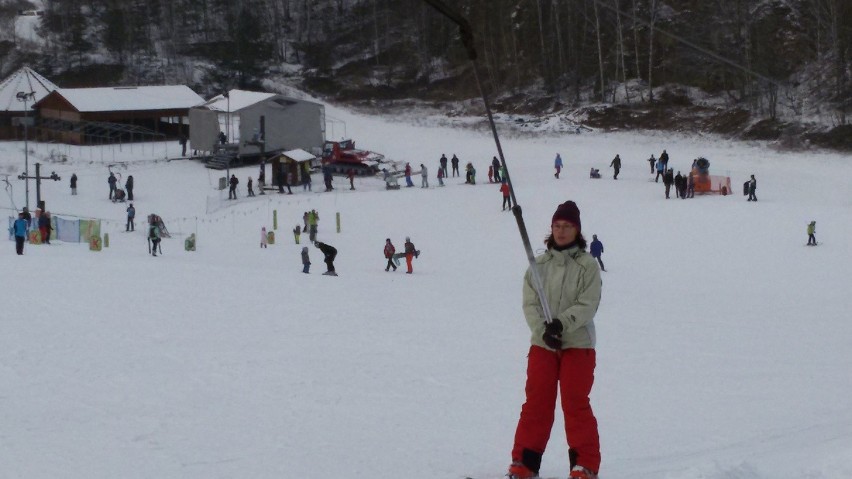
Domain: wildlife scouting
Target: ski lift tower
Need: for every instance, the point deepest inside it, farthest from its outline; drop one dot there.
(25, 97)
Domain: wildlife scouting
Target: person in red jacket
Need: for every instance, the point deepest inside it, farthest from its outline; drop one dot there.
(389, 251)
(507, 200)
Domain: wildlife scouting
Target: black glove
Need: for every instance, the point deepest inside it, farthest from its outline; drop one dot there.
(553, 334)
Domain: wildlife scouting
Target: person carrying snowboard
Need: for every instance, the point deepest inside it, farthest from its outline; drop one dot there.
(410, 253)
(329, 253)
(811, 230)
(562, 354)
(389, 251)
(752, 189)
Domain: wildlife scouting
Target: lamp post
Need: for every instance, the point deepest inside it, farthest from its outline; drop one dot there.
(228, 116)
(24, 97)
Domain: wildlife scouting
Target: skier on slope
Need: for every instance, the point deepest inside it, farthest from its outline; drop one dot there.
(562, 354)
(811, 231)
(557, 163)
(329, 253)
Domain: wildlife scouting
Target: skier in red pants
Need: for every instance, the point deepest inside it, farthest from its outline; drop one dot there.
(562, 353)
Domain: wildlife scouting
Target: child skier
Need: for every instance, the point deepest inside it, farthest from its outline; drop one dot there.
(306, 261)
(297, 231)
(263, 238)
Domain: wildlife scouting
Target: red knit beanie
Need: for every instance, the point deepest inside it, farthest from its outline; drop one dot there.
(568, 211)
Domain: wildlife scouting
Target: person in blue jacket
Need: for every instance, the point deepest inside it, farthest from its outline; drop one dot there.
(557, 163)
(597, 249)
(20, 230)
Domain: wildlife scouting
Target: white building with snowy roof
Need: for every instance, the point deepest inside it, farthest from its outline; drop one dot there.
(23, 82)
(256, 123)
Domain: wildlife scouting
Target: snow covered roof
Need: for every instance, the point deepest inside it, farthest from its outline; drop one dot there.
(24, 80)
(299, 155)
(239, 99)
(136, 98)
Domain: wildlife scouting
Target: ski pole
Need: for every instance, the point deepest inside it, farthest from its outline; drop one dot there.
(466, 33)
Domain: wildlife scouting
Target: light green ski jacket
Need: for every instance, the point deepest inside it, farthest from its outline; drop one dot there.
(572, 284)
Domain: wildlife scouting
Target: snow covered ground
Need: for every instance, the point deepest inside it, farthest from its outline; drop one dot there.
(723, 341)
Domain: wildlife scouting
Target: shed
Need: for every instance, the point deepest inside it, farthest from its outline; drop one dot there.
(24, 80)
(257, 123)
(296, 164)
(103, 115)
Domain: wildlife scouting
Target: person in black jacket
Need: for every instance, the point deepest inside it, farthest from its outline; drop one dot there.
(668, 180)
(74, 183)
(678, 184)
(496, 164)
(455, 163)
(616, 164)
(329, 252)
(232, 192)
(129, 186)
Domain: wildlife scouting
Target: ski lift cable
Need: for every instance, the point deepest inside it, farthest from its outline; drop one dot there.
(688, 43)
(466, 33)
(9, 191)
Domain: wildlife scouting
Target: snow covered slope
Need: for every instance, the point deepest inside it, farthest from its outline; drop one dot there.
(723, 341)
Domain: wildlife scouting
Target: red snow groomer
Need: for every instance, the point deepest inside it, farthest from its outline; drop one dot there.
(342, 156)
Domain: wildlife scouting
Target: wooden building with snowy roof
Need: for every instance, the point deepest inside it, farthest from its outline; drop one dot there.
(115, 114)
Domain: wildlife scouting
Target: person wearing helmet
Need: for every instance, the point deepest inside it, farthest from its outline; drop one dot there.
(410, 253)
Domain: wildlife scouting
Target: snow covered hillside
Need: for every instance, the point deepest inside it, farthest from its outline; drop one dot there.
(723, 341)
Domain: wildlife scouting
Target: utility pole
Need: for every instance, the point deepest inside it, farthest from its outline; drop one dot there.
(53, 176)
(24, 97)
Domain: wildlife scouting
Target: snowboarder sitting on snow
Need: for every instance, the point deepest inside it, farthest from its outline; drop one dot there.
(329, 252)
(811, 230)
(594, 173)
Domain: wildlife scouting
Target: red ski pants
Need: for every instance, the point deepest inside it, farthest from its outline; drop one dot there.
(408, 258)
(573, 371)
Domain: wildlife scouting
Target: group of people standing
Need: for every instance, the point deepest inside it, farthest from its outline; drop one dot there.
(24, 223)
